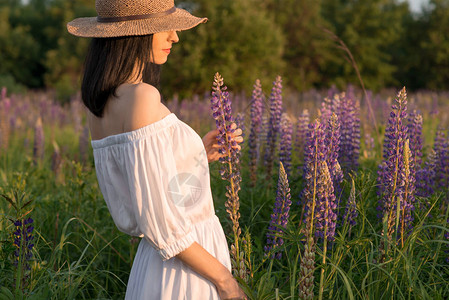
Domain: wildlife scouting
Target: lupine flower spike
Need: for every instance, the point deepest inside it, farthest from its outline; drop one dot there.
(319, 185)
(314, 158)
(415, 137)
(396, 183)
(279, 217)
(301, 132)
(285, 145)
(318, 195)
(408, 199)
(230, 169)
(274, 125)
(333, 145)
(256, 127)
(441, 147)
(425, 177)
(349, 117)
(23, 241)
(23, 238)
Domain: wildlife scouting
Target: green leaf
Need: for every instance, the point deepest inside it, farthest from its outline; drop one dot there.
(26, 204)
(6, 294)
(10, 201)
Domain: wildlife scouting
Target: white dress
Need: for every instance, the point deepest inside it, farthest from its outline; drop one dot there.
(155, 181)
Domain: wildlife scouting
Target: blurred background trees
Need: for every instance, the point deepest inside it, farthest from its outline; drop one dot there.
(245, 40)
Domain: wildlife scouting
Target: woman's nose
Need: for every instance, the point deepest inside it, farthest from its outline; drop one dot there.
(173, 37)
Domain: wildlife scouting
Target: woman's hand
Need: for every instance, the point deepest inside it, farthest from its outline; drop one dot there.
(210, 268)
(230, 289)
(211, 143)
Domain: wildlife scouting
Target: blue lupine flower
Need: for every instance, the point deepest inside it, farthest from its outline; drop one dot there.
(285, 151)
(256, 128)
(279, 217)
(274, 124)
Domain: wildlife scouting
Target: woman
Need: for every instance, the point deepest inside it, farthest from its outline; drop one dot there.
(152, 168)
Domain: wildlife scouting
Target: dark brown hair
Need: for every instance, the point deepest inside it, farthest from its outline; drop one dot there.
(110, 62)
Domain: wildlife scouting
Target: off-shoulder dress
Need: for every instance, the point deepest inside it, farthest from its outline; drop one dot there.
(155, 181)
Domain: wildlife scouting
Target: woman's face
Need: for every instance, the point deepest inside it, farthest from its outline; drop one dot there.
(162, 42)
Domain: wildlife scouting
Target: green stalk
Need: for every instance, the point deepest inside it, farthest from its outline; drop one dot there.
(292, 285)
(233, 196)
(320, 297)
(314, 196)
(19, 266)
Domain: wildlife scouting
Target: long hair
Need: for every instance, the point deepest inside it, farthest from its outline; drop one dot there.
(110, 62)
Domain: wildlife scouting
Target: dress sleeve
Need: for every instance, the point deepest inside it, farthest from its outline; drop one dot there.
(151, 169)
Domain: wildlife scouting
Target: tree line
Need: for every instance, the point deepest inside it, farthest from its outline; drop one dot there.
(311, 43)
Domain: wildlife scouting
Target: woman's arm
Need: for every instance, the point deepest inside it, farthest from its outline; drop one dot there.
(210, 268)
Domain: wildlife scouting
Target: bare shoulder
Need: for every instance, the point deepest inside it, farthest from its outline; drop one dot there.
(147, 93)
(145, 107)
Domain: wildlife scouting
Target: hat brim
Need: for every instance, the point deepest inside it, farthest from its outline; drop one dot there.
(90, 27)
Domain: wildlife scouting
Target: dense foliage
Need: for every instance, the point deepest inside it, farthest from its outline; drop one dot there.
(390, 44)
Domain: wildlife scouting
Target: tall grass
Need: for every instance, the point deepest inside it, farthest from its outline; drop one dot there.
(79, 254)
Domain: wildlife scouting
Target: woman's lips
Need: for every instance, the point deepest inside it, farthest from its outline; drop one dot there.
(166, 50)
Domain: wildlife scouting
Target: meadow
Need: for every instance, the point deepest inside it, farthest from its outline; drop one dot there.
(334, 195)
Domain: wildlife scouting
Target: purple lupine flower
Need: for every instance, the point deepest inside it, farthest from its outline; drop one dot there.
(301, 132)
(326, 217)
(351, 209)
(395, 183)
(348, 114)
(38, 147)
(285, 151)
(333, 147)
(263, 138)
(332, 91)
(415, 137)
(314, 161)
(335, 105)
(256, 128)
(425, 177)
(318, 193)
(230, 170)
(395, 136)
(274, 124)
(350, 92)
(314, 155)
(441, 147)
(325, 111)
(23, 242)
(279, 217)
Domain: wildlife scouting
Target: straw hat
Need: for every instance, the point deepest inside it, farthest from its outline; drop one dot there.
(133, 17)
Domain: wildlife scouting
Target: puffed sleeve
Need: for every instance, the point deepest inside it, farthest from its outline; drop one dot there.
(150, 166)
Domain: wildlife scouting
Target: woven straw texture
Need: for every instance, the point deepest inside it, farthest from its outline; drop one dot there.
(90, 27)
